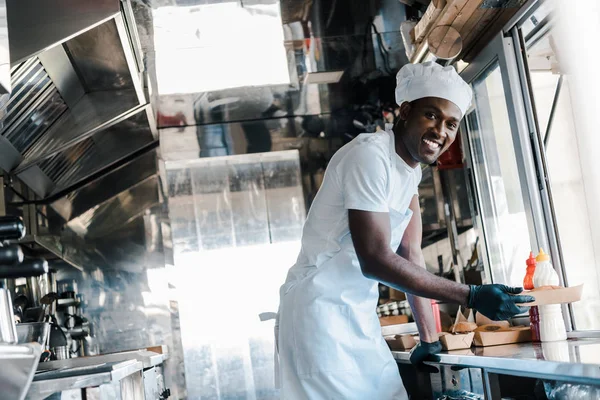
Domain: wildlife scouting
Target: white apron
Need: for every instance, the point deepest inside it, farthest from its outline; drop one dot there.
(330, 343)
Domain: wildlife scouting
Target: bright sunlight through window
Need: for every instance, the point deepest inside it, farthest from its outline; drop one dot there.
(219, 46)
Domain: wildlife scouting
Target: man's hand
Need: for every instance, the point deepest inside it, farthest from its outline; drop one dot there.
(422, 352)
(497, 302)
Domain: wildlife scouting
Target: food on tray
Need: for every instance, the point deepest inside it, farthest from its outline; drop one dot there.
(464, 327)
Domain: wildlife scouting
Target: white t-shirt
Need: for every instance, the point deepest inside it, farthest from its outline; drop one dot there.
(366, 174)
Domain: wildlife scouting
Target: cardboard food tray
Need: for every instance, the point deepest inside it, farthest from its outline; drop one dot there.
(401, 342)
(555, 296)
(509, 336)
(393, 320)
(456, 341)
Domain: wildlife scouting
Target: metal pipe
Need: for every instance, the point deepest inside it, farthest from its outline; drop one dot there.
(553, 110)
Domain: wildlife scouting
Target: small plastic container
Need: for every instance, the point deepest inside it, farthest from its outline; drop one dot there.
(436, 315)
(534, 315)
(552, 325)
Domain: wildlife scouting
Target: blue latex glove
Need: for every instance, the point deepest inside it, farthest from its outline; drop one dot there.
(422, 352)
(498, 302)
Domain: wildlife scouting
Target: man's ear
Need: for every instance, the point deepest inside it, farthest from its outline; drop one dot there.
(405, 110)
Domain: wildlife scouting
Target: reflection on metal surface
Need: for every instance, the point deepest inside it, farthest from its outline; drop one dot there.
(126, 206)
(33, 106)
(575, 360)
(76, 110)
(99, 151)
(242, 208)
(18, 366)
(81, 200)
(36, 26)
(93, 113)
(99, 58)
(198, 51)
(239, 200)
(5, 83)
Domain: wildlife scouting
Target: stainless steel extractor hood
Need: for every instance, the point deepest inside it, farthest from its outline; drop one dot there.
(77, 128)
(77, 107)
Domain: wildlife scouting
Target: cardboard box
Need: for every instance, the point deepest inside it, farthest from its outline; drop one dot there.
(401, 342)
(393, 320)
(555, 296)
(517, 334)
(456, 341)
(397, 295)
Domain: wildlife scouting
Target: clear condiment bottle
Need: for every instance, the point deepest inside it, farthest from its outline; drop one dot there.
(552, 325)
(534, 316)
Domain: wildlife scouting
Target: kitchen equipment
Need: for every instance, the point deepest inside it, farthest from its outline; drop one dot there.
(11, 254)
(8, 332)
(61, 352)
(33, 332)
(28, 268)
(11, 228)
(46, 301)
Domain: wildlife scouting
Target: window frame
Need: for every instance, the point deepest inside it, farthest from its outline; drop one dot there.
(509, 49)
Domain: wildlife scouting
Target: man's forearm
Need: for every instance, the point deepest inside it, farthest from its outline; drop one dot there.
(423, 314)
(420, 306)
(401, 274)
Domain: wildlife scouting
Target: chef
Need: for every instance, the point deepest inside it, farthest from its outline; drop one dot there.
(364, 227)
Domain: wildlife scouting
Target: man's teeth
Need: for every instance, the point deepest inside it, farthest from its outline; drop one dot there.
(431, 144)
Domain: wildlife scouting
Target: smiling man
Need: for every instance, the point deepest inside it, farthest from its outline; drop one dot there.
(364, 227)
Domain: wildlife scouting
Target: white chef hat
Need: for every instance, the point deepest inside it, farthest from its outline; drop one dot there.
(415, 81)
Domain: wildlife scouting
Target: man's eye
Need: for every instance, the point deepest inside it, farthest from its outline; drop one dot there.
(452, 126)
(430, 115)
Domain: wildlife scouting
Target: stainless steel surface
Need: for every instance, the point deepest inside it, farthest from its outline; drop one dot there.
(226, 213)
(94, 112)
(33, 332)
(34, 27)
(117, 211)
(61, 352)
(79, 201)
(151, 384)
(8, 331)
(60, 69)
(18, 366)
(575, 360)
(147, 358)
(40, 389)
(5, 84)
(99, 152)
(66, 119)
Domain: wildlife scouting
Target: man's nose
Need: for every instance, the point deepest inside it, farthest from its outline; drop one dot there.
(439, 129)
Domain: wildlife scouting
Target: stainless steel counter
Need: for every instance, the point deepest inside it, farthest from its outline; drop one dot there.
(575, 360)
(82, 377)
(147, 358)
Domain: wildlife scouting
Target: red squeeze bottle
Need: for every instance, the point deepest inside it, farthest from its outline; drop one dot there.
(436, 315)
(534, 315)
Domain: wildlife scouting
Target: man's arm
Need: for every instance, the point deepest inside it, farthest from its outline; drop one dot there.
(410, 249)
(371, 237)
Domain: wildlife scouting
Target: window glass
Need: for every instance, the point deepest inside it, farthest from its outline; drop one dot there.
(495, 167)
(571, 184)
